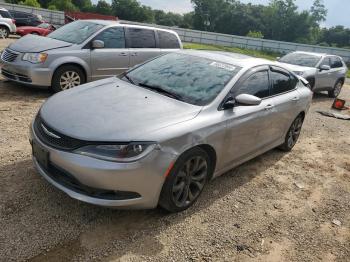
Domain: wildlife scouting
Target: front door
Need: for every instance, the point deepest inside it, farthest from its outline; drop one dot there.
(142, 44)
(114, 58)
(248, 127)
(323, 76)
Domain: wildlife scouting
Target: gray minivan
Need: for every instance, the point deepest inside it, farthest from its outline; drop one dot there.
(83, 51)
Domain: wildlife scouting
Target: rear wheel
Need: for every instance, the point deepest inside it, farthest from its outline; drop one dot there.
(292, 134)
(186, 181)
(4, 32)
(67, 77)
(336, 90)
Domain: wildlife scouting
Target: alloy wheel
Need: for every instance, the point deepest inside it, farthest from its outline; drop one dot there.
(294, 132)
(3, 33)
(190, 181)
(69, 79)
(337, 89)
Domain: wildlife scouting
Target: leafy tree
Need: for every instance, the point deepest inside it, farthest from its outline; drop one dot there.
(63, 5)
(255, 34)
(103, 8)
(33, 3)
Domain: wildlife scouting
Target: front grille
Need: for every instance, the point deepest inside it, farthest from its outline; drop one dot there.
(8, 55)
(65, 179)
(55, 139)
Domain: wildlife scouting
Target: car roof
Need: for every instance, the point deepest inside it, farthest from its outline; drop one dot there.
(229, 58)
(3, 9)
(111, 22)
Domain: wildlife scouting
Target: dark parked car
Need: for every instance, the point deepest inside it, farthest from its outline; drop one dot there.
(26, 19)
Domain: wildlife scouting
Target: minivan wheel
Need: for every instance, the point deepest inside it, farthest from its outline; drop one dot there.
(336, 90)
(67, 77)
(4, 32)
(186, 181)
(292, 134)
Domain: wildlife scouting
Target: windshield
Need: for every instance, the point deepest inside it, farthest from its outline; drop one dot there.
(75, 32)
(192, 79)
(301, 59)
(44, 25)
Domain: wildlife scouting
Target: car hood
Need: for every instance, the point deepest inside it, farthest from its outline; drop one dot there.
(113, 110)
(35, 43)
(295, 68)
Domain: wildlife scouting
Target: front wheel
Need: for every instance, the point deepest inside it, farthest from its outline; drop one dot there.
(336, 90)
(292, 134)
(67, 77)
(186, 181)
(4, 32)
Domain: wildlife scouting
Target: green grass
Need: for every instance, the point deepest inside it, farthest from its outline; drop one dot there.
(255, 53)
(261, 54)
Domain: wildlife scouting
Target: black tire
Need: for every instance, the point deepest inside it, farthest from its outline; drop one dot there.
(4, 31)
(182, 182)
(293, 134)
(336, 89)
(62, 72)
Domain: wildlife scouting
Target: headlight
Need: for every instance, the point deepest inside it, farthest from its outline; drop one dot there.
(117, 153)
(299, 73)
(35, 57)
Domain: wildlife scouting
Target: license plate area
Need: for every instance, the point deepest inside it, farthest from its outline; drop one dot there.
(41, 155)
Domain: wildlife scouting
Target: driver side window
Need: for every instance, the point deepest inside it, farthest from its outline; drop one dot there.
(112, 37)
(257, 85)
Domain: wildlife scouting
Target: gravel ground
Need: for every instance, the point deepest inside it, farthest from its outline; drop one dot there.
(278, 207)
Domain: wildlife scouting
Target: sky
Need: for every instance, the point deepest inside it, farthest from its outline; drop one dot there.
(338, 10)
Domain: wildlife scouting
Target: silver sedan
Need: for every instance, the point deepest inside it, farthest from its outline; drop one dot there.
(156, 134)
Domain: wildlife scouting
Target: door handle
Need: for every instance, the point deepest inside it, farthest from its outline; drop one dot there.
(134, 54)
(123, 54)
(269, 107)
(295, 98)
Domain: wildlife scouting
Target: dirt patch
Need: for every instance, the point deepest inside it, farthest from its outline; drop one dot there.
(277, 207)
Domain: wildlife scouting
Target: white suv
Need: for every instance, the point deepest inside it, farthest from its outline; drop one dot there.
(7, 23)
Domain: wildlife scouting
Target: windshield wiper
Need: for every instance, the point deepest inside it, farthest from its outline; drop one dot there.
(161, 90)
(129, 79)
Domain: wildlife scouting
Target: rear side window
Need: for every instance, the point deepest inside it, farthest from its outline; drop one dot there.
(168, 40)
(282, 82)
(112, 37)
(257, 85)
(5, 14)
(336, 62)
(141, 38)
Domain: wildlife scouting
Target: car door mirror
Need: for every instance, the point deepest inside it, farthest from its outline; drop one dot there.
(229, 103)
(248, 100)
(96, 44)
(325, 68)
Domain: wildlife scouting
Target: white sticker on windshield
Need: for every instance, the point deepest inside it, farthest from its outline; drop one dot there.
(223, 66)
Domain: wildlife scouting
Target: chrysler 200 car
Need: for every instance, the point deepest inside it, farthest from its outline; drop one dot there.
(158, 133)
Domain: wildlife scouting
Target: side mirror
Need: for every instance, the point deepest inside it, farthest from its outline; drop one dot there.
(96, 44)
(248, 100)
(325, 68)
(229, 103)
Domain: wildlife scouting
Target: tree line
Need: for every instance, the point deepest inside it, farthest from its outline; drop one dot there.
(279, 20)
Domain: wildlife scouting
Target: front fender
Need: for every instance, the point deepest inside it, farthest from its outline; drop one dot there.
(7, 26)
(70, 60)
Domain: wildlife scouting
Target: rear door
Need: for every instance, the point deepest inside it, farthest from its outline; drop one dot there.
(114, 58)
(337, 70)
(168, 42)
(285, 100)
(142, 45)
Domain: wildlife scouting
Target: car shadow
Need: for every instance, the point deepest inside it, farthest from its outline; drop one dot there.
(45, 205)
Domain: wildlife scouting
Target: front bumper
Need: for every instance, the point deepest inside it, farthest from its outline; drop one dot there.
(141, 180)
(26, 73)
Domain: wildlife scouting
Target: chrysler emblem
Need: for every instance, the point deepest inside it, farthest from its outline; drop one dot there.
(49, 133)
